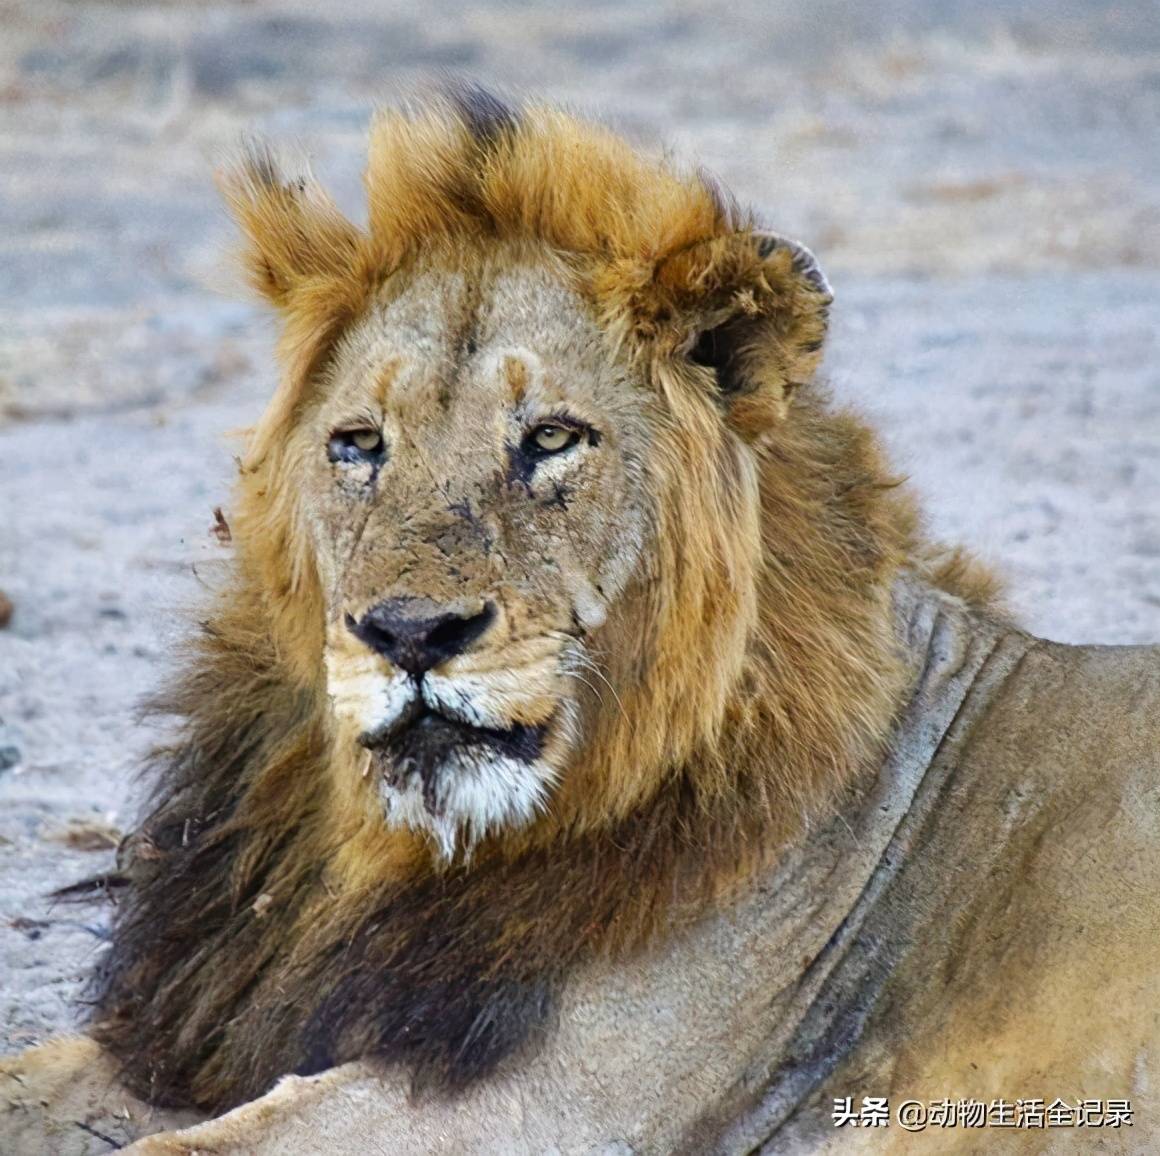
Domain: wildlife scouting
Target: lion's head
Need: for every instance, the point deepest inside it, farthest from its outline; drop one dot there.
(562, 600)
(507, 497)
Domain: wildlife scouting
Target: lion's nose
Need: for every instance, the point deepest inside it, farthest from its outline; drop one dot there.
(417, 634)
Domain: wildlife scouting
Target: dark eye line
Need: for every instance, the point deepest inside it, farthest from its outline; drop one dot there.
(561, 418)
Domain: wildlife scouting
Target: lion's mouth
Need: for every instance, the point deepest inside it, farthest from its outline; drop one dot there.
(425, 740)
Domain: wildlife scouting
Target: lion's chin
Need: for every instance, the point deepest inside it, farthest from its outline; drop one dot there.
(459, 783)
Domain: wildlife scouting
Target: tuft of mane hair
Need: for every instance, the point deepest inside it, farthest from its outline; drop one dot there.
(239, 953)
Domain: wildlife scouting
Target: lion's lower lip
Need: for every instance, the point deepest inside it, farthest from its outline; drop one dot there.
(435, 732)
(429, 739)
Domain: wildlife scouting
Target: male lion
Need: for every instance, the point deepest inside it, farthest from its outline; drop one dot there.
(587, 739)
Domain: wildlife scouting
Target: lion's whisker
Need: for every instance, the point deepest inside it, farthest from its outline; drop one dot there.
(592, 666)
(587, 664)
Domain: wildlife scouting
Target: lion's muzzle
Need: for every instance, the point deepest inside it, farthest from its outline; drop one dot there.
(464, 735)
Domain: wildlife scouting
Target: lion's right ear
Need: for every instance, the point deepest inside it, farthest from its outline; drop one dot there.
(294, 235)
(304, 257)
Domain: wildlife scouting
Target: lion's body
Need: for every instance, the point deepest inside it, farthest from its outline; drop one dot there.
(565, 610)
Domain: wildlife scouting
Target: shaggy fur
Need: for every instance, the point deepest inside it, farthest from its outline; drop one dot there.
(271, 922)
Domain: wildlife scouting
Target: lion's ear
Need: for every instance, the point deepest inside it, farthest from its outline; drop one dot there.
(294, 235)
(764, 310)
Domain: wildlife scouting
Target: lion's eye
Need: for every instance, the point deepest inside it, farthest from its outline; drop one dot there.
(552, 439)
(367, 440)
(355, 445)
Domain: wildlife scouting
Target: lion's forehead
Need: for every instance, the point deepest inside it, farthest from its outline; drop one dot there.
(471, 342)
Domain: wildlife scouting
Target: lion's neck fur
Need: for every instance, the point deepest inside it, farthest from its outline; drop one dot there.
(249, 945)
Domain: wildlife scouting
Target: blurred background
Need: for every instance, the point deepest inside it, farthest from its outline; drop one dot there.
(981, 181)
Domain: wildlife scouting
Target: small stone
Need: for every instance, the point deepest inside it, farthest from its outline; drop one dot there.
(6, 609)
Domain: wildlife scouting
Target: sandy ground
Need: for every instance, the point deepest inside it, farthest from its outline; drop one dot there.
(982, 183)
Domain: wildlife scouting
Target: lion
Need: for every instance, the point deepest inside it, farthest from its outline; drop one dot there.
(589, 752)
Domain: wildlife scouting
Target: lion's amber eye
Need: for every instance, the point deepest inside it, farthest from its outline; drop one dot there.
(367, 440)
(355, 445)
(551, 439)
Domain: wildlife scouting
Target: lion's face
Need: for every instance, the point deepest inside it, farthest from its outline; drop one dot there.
(473, 481)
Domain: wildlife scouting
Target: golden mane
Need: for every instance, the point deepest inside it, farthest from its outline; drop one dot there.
(266, 927)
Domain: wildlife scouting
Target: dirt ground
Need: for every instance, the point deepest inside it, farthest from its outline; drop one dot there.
(981, 182)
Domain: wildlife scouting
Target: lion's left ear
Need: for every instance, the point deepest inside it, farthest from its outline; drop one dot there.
(757, 313)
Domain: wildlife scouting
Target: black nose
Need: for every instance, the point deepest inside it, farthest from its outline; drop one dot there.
(417, 634)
